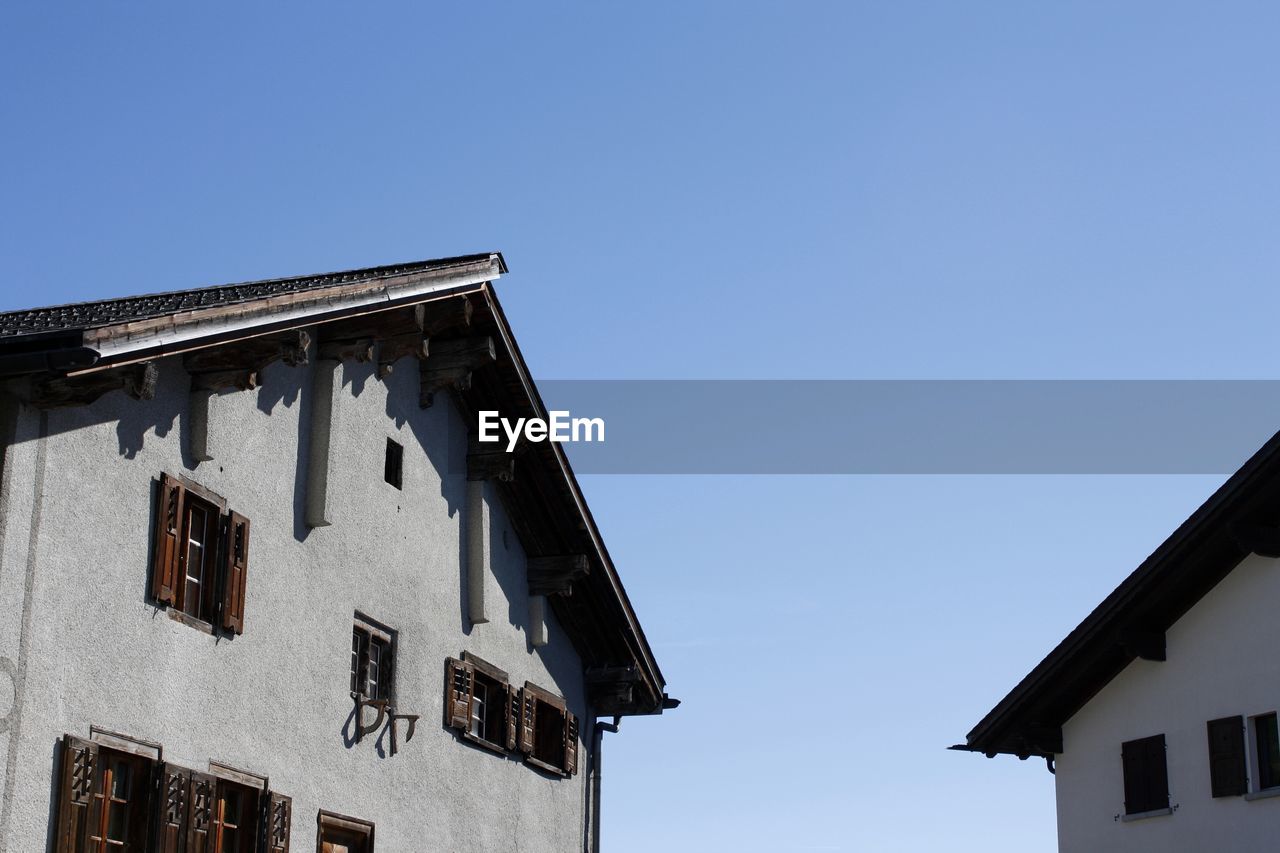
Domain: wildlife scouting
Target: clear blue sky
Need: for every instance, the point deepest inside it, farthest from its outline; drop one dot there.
(739, 190)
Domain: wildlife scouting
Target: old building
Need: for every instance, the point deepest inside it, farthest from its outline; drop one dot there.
(1157, 714)
(263, 591)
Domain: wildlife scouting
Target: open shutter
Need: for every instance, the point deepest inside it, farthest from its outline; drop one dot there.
(278, 819)
(513, 716)
(175, 791)
(235, 550)
(570, 743)
(168, 544)
(75, 795)
(200, 813)
(460, 685)
(529, 707)
(1227, 773)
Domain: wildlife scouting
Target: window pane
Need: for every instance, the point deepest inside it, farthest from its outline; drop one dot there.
(478, 706)
(1268, 738)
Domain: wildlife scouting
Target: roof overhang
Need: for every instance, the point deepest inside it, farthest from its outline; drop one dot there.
(1240, 518)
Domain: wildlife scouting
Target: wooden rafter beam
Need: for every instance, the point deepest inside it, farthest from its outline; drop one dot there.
(451, 363)
(556, 575)
(238, 365)
(51, 392)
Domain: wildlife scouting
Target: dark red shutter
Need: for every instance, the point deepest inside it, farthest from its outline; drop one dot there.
(168, 539)
(513, 716)
(1227, 774)
(279, 818)
(175, 791)
(528, 716)
(79, 776)
(570, 743)
(235, 549)
(200, 804)
(460, 680)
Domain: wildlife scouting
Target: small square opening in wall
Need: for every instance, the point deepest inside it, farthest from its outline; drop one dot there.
(393, 469)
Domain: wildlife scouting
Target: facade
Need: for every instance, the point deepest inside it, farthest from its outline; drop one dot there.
(1158, 713)
(265, 591)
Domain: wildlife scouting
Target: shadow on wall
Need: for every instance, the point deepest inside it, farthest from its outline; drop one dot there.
(442, 435)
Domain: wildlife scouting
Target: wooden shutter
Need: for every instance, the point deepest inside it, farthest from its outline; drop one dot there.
(513, 716)
(168, 544)
(235, 549)
(1227, 774)
(1146, 775)
(175, 792)
(529, 707)
(75, 795)
(200, 805)
(570, 743)
(279, 816)
(460, 685)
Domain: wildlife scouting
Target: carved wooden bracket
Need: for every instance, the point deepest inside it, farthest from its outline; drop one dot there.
(556, 575)
(451, 364)
(491, 462)
(612, 687)
(237, 365)
(361, 703)
(413, 725)
(136, 380)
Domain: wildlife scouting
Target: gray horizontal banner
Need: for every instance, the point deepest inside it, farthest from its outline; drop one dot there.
(915, 427)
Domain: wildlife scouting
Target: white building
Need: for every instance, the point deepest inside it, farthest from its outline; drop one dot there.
(263, 591)
(1158, 713)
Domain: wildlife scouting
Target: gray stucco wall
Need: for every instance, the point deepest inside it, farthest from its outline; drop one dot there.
(80, 645)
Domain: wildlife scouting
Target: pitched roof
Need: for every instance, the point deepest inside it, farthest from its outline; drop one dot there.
(1240, 518)
(80, 316)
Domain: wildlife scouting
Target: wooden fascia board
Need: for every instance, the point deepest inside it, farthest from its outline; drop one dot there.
(185, 330)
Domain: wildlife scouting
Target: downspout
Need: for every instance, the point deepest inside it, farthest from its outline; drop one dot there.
(597, 740)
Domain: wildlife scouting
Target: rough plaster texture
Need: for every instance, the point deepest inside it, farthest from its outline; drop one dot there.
(1221, 662)
(275, 700)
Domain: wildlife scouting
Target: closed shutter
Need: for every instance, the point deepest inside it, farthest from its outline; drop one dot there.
(235, 549)
(168, 541)
(1227, 773)
(75, 796)
(570, 743)
(175, 792)
(1146, 775)
(513, 716)
(200, 812)
(279, 818)
(460, 681)
(529, 707)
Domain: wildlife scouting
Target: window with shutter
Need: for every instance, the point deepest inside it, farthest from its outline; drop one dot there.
(175, 789)
(201, 560)
(341, 834)
(545, 731)
(372, 659)
(1146, 777)
(459, 683)
(75, 794)
(278, 821)
(235, 549)
(570, 744)
(1228, 776)
(169, 519)
(1266, 738)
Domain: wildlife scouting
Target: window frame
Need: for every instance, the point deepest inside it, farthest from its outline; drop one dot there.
(377, 635)
(534, 734)
(362, 831)
(498, 684)
(1261, 772)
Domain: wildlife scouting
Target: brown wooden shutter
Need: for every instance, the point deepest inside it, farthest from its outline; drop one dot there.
(1227, 774)
(200, 812)
(1146, 775)
(168, 544)
(235, 549)
(570, 743)
(175, 791)
(279, 818)
(459, 688)
(529, 706)
(75, 794)
(513, 716)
